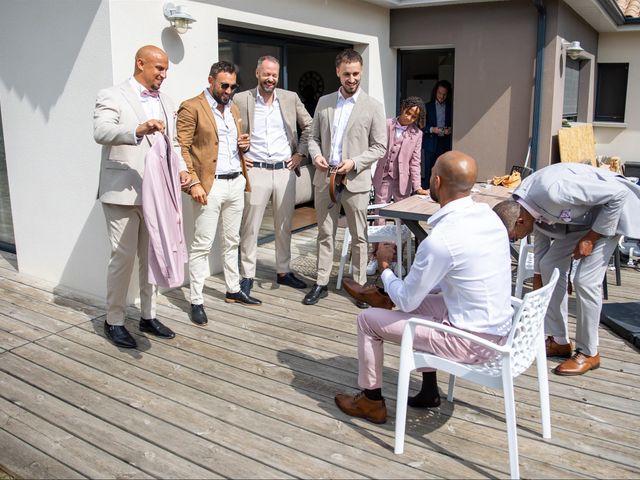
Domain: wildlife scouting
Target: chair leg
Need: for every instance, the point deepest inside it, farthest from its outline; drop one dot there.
(399, 249)
(543, 387)
(343, 257)
(452, 386)
(510, 415)
(616, 262)
(402, 397)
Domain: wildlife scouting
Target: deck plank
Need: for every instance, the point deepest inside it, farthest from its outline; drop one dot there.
(251, 394)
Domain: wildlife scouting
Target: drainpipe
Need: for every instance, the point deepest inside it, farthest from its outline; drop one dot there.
(537, 92)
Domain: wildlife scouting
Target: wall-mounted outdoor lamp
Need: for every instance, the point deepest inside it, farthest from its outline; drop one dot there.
(573, 49)
(179, 19)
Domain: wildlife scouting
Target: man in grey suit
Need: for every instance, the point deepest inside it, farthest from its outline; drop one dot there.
(125, 119)
(577, 212)
(348, 132)
(270, 115)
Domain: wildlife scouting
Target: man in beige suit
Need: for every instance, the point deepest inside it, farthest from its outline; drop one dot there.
(126, 118)
(348, 132)
(212, 146)
(270, 115)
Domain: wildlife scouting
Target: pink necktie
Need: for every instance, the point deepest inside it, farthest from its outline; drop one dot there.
(149, 93)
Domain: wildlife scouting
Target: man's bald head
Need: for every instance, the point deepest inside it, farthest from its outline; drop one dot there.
(453, 176)
(151, 65)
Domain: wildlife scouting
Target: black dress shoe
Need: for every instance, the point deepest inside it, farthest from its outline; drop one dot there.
(246, 284)
(361, 304)
(154, 327)
(198, 315)
(291, 280)
(119, 336)
(241, 297)
(316, 293)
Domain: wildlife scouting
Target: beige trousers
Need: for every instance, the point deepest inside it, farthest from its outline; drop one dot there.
(355, 208)
(128, 235)
(225, 202)
(280, 186)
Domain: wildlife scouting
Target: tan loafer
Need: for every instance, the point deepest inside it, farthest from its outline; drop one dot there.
(370, 294)
(578, 364)
(360, 406)
(554, 349)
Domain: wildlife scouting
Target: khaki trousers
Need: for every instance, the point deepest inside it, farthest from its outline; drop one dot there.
(355, 208)
(128, 235)
(587, 285)
(280, 186)
(225, 202)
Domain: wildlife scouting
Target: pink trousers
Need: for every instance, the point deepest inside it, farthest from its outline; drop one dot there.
(386, 191)
(376, 325)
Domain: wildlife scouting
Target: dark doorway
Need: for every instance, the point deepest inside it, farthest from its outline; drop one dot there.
(306, 66)
(419, 70)
(7, 240)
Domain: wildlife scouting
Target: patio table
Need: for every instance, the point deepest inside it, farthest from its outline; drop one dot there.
(418, 208)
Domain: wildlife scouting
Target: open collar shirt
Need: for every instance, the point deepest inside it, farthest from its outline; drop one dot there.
(269, 141)
(441, 113)
(467, 257)
(228, 156)
(344, 107)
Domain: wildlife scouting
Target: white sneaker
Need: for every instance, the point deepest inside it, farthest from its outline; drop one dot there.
(393, 267)
(372, 267)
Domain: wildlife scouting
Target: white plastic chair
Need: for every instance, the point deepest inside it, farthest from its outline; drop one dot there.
(396, 232)
(525, 265)
(524, 343)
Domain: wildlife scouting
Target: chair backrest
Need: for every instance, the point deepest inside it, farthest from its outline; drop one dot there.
(528, 325)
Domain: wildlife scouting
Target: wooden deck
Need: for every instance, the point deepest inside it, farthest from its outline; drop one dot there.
(251, 395)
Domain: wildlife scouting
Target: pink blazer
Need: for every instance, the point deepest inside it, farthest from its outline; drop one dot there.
(407, 156)
(162, 209)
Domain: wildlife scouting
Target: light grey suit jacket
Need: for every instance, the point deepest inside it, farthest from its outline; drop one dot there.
(365, 139)
(293, 113)
(117, 114)
(582, 195)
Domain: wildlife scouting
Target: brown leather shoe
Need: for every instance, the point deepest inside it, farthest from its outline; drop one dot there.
(578, 364)
(370, 294)
(360, 406)
(554, 349)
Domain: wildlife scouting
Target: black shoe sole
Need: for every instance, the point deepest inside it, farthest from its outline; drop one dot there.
(156, 334)
(231, 300)
(322, 295)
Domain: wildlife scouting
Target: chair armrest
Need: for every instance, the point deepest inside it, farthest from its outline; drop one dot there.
(377, 206)
(413, 322)
(516, 302)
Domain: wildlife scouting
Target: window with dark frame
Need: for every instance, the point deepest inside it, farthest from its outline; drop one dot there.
(611, 92)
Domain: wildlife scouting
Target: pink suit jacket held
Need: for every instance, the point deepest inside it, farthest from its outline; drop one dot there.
(162, 208)
(408, 159)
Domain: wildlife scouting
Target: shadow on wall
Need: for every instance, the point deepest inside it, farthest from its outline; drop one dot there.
(51, 60)
(87, 247)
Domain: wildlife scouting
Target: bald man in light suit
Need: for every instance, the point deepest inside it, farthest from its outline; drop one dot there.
(349, 131)
(126, 118)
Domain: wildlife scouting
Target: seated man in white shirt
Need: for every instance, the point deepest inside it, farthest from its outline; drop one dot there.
(467, 257)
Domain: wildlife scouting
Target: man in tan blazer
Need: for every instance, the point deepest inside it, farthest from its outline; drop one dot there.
(270, 115)
(125, 120)
(212, 146)
(348, 132)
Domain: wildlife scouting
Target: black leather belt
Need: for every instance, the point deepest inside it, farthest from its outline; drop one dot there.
(228, 176)
(270, 166)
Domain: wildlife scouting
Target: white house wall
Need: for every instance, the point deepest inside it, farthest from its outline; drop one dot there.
(614, 141)
(51, 71)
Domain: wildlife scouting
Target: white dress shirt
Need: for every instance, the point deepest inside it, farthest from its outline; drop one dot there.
(228, 156)
(467, 256)
(344, 107)
(269, 141)
(152, 107)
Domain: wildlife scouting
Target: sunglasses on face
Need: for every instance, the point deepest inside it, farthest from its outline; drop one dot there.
(226, 86)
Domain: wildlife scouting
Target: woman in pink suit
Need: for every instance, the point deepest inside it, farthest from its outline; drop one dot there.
(397, 174)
